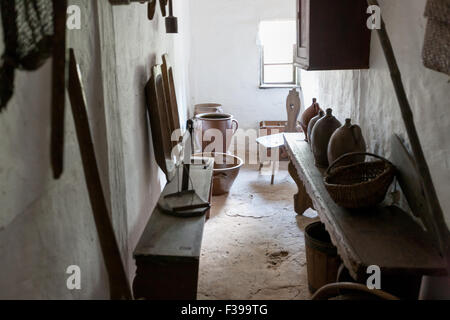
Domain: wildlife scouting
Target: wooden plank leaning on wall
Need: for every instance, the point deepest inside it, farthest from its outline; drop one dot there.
(118, 280)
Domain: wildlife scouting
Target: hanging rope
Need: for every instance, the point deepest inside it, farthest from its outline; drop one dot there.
(28, 36)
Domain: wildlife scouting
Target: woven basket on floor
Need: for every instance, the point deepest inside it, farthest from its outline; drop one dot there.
(359, 185)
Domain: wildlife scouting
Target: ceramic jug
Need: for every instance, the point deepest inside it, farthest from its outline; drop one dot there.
(201, 109)
(320, 137)
(309, 113)
(346, 139)
(312, 123)
(217, 131)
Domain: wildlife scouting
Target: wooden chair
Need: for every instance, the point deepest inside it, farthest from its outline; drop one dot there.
(275, 141)
(293, 106)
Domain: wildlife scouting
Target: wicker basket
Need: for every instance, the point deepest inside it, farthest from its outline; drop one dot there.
(359, 185)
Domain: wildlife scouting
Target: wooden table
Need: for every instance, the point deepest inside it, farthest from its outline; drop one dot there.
(168, 253)
(384, 236)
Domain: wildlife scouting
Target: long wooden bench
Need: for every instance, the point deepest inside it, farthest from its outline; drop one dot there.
(384, 236)
(168, 253)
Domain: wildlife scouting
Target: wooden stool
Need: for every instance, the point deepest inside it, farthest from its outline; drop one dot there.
(271, 142)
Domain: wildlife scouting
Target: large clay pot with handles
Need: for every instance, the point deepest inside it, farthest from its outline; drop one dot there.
(346, 139)
(309, 113)
(215, 126)
(320, 137)
(312, 123)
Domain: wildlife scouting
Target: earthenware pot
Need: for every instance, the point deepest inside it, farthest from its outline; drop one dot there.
(320, 137)
(312, 123)
(226, 169)
(346, 139)
(309, 113)
(208, 108)
(217, 130)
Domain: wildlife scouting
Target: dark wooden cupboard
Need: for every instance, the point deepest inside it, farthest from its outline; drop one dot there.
(332, 35)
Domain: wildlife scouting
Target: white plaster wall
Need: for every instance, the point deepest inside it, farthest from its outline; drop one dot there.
(47, 225)
(368, 97)
(225, 57)
(140, 44)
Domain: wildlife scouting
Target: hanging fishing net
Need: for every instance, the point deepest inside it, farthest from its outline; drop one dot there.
(28, 36)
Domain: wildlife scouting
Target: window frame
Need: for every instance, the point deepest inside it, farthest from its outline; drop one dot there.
(295, 83)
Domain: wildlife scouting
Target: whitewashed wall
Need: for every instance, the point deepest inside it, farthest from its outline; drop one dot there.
(47, 225)
(140, 44)
(225, 57)
(368, 97)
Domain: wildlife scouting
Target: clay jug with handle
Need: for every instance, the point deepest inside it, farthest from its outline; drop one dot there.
(221, 126)
(320, 137)
(309, 113)
(312, 123)
(346, 139)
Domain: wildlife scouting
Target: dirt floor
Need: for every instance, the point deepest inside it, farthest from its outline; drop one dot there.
(253, 245)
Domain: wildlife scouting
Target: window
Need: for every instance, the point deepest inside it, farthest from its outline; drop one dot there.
(278, 39)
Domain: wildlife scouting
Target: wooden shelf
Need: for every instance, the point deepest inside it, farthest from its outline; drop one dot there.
(384, 236)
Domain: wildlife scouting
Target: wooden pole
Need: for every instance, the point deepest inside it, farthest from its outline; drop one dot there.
(118, 280)
(440, 230)
(59, 80)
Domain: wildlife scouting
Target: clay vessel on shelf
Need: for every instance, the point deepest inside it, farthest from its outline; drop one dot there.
(346, 139)
(208, 108)
(309, 113)
(312, 123)
(320, 137)
(217, 131)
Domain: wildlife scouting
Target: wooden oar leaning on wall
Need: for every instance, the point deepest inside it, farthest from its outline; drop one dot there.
(436, 222)
(118, 280)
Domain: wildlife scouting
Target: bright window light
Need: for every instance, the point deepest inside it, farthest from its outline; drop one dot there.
(277, 52)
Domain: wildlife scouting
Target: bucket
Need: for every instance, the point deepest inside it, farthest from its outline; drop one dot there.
(322, 260)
